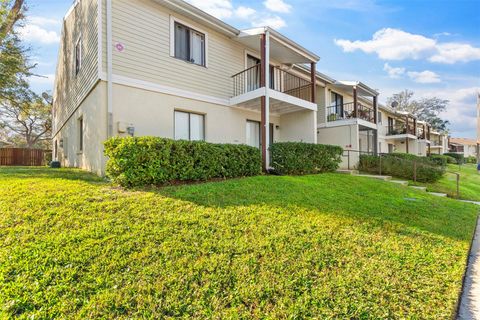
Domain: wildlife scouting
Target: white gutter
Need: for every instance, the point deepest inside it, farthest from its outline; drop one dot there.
(109, 70)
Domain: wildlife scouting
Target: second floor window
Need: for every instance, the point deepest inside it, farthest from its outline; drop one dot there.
(189, 44)
(78, 56)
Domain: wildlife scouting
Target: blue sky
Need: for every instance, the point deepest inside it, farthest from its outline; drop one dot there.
(430, 47)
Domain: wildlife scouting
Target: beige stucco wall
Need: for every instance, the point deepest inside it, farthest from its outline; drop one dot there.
(299, 126)
(152, 114)
(346, 137)
(93, 111)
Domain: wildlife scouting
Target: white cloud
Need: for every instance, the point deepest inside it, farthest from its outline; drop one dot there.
(42, 21)
(393, 73)
(455, 52)
(277, 6)
(275, 22)
(461, 111)
(244, 12)
(391, 44)
(218, 8)
(395, 44)
(35, 33)
(424, 76)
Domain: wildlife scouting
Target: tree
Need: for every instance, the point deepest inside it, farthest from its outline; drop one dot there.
(14, 65)
(27, 117)
(10, 15)
(425, 109)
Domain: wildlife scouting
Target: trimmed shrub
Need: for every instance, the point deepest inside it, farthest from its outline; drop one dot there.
(471, 159)
(144, 161)
(459, 157)
(441, 160)
(402, 166)
(304, 158)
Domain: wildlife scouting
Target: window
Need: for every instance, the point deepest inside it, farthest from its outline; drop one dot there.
(189, 44)
(55, 151)
(253, 133)
(189, 126)
(80, 134)
(379, 117)
(337, 103)
(78, 56)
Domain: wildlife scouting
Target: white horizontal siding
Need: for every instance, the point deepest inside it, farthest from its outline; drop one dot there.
(71, 89)
(143, 27)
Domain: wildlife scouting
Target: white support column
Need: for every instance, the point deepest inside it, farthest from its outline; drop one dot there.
(267, 97)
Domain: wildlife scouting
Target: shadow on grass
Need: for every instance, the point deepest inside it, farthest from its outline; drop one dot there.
(338, 195)
(48, 173)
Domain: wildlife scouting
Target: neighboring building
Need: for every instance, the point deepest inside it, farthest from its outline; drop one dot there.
(168, 69)
(467, 147)
(398, 132)
(347, 117)
(478, 128)
(438, 142)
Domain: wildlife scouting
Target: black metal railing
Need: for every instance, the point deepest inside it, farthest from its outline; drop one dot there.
(246, 80)
(421, 134)
(280, 80)
(400, 128)
(347, 111)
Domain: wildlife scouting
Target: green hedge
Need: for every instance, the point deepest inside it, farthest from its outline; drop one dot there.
(401, 166)
(152, 161)
(459, 157)
(304, 158)
(441, 160)
(471, 159)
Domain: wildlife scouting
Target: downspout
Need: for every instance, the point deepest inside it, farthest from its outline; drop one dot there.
(109, 70)
(267, 98)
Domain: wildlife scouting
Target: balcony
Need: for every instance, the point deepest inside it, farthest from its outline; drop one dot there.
(282, 81)
(347, 111)
(401, 129)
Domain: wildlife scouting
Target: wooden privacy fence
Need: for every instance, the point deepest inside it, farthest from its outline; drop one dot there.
(22, 157)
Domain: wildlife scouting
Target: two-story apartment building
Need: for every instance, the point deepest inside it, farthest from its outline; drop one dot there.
(438, 142)
(401, 132)
(166, 68)
(467, 147)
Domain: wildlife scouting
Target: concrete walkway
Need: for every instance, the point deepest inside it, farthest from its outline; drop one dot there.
(469, 308)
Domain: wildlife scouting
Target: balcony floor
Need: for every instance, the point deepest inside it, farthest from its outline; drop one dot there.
(280, 103)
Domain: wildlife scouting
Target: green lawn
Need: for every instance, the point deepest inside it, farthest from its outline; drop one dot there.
(469, 182)
(324, 246)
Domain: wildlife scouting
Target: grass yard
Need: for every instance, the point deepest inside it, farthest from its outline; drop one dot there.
(325, 246)
(469, 182)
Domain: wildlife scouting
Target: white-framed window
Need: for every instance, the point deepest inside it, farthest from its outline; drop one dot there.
(78, 56)
(189, 126)
(253, 133)
(380, 120)
(80, 134)
(188, 43)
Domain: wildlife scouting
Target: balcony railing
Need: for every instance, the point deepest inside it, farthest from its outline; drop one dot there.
(347, 111)
(421, 134)
(400, 129)
(280, 80)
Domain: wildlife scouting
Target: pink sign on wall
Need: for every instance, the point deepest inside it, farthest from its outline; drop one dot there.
(120, 47)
